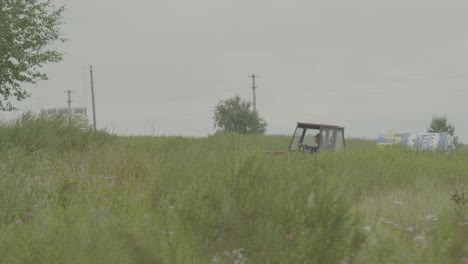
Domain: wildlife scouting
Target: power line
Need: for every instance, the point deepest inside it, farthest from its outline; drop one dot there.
(162, 75)
(386, 90)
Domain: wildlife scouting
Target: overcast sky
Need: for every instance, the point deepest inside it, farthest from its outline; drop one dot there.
(161, 66)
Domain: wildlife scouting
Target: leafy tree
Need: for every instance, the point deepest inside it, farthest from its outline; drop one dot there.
(441, 124)
(234, 115)
(27, 30)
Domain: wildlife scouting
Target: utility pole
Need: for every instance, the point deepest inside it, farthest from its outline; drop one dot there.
(253, 90)
(69, 101)
(92, 96)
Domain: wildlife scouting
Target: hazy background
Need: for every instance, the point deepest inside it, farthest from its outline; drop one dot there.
(160, 67)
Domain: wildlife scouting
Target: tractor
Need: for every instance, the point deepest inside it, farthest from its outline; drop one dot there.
(312, 138)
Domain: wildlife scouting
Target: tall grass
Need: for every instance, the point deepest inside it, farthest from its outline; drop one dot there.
(33, 132)
(73, 195)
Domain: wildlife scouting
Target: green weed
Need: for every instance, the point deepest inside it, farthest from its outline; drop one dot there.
(73, 195)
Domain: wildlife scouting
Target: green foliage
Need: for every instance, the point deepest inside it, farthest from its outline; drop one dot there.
(449, 240)
(441, 124)
(32, 133)
(234, 115)
(221, 199)
(27, 30)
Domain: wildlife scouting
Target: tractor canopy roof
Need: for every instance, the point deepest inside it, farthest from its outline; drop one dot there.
(317, 126)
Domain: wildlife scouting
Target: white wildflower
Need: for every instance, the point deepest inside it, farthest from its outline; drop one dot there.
(420, 238)
(238, 257)
(430, 217)
(215, 260)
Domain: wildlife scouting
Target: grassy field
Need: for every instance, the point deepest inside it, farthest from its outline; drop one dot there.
(71, 195)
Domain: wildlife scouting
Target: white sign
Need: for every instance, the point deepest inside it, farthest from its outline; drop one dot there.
(424, 140)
